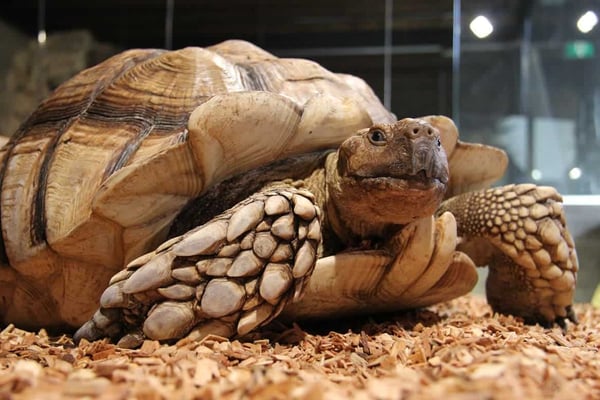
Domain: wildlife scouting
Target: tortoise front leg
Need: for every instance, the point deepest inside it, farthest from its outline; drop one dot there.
(427, 269)
(341, 285)
(533, 263)
(226, 277)
(416, 267)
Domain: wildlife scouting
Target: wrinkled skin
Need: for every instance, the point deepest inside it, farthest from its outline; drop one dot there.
(389, 175)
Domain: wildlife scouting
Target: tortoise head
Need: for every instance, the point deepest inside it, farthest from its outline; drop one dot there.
(391, 174)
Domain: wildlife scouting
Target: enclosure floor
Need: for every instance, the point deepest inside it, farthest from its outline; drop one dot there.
(456, 350)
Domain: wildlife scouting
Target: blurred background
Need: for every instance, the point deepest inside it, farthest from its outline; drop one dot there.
(520, 74)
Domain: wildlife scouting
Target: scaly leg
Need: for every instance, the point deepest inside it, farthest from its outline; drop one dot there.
(427, 268)
(416, 267)
(520, 232)
(226, 277)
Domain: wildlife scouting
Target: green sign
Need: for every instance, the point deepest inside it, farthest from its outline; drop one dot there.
(578, 49)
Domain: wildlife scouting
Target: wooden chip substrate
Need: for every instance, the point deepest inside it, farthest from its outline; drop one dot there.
(456, 350)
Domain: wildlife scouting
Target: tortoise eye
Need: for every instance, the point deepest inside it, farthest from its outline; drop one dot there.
(439, 142)
(377, 137)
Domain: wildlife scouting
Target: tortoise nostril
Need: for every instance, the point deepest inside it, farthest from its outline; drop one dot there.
(414, 129)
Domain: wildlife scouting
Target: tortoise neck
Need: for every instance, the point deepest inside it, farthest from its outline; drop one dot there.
(351, 225)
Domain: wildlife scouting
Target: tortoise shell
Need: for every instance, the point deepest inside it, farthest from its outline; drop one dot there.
(100, 170)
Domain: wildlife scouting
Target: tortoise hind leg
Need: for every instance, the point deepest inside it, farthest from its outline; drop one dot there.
(520, 232)
(226, 277)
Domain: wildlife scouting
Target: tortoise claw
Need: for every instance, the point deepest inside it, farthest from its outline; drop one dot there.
(228, 276)
(571, 315)
(562, 321)
(104, 323)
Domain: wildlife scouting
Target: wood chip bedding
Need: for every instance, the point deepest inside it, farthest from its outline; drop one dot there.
(458, 350)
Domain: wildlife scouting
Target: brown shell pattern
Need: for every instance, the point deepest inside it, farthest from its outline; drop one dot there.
(124, 120)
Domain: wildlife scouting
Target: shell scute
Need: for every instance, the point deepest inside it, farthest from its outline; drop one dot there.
(113, 153)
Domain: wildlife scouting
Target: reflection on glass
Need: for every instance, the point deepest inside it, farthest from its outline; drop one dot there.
(533, 88)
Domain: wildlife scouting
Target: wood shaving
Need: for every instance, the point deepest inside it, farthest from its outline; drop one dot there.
(458, 350)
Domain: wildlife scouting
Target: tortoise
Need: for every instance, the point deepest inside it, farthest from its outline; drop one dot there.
(209, 190)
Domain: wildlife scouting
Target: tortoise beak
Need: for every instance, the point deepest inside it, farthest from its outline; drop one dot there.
(428, 163)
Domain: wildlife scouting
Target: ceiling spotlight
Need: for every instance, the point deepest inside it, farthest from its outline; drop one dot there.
(575, 173)
(587, 21)
(481, 27)
(536, 174)
(41, 36)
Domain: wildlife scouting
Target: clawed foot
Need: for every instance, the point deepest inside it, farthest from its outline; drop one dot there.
(227, 277)
(533, 263)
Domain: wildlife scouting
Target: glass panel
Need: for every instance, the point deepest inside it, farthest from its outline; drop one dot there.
(532, 87)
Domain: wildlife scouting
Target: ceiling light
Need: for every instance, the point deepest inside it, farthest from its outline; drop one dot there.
(481, 27)
(587, 21)
(575, 173)
(536, 174)
(41, 37)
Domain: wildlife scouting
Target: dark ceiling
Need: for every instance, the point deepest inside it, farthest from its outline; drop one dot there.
(273, 24)
(344, 36)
